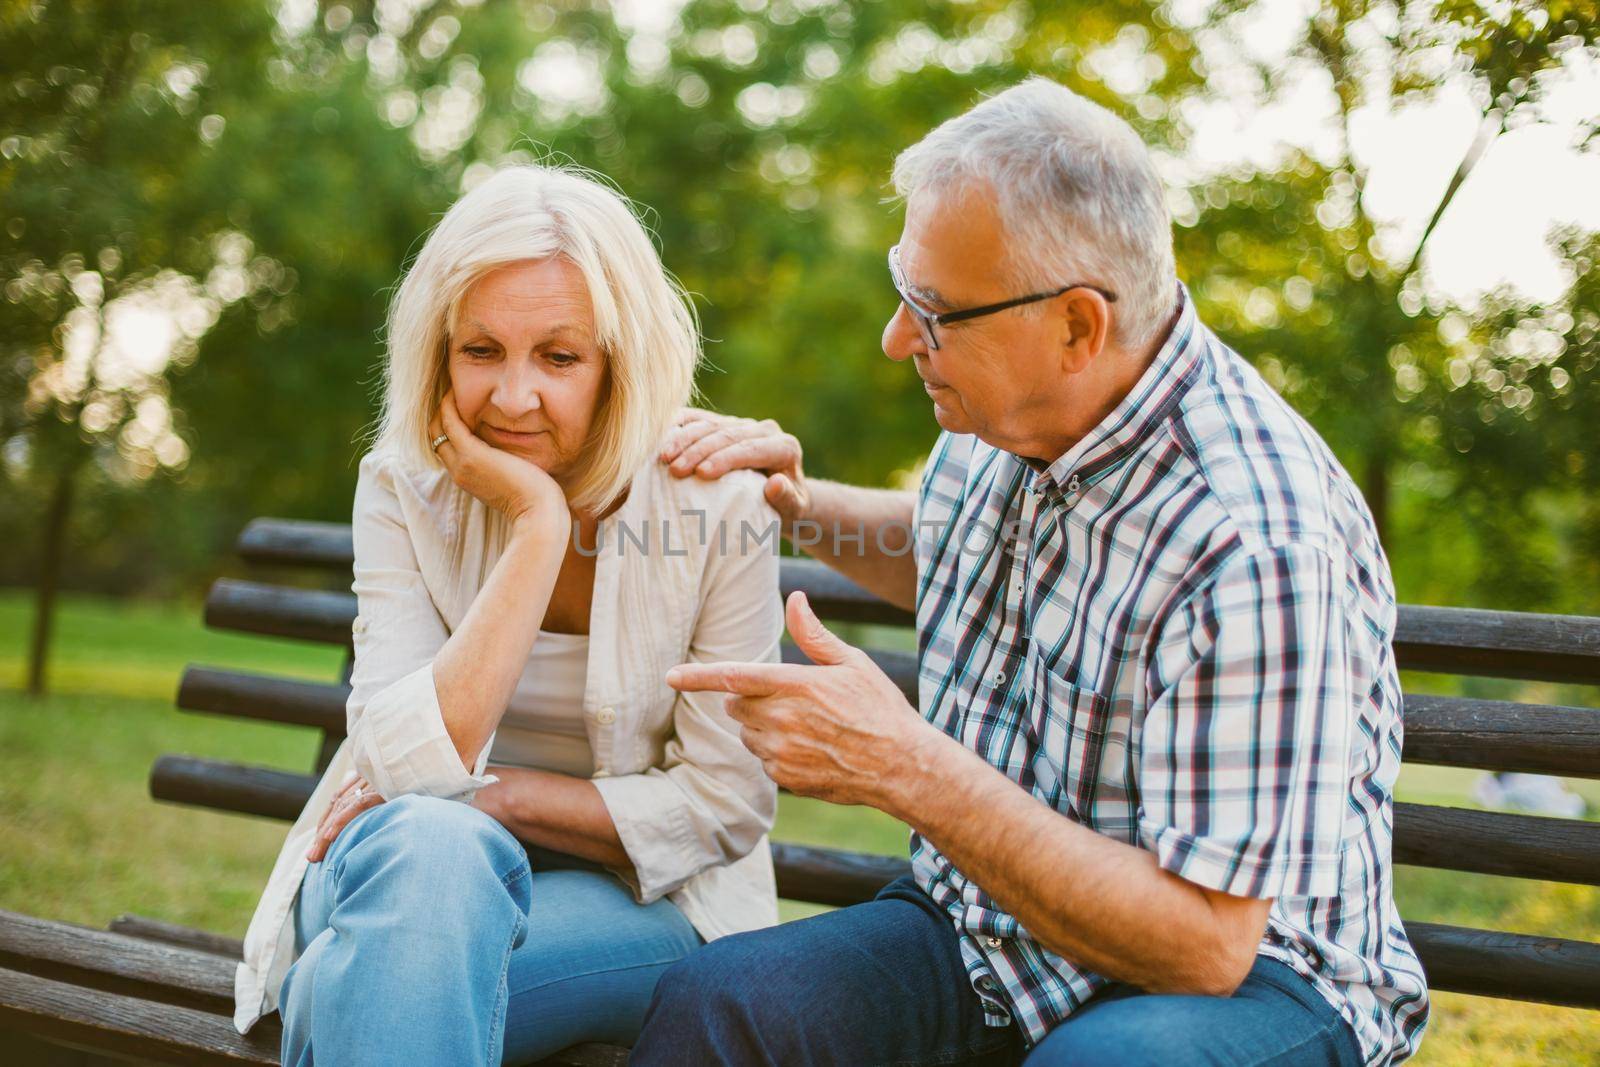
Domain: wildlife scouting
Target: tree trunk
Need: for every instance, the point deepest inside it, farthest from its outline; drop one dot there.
(1375, 487)
(52, 550)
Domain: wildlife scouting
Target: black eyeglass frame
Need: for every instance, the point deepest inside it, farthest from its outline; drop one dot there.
(927, 320)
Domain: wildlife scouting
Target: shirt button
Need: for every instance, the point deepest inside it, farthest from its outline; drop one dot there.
(999, 677)
(993, 942)
(605, 716)
(359, 626)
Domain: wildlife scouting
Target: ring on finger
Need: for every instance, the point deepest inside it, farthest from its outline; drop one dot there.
(437, 441)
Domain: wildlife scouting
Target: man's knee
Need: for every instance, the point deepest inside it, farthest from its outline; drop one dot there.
(727, 987)
(721, 980)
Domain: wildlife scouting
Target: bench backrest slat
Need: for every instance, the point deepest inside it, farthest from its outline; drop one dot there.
(1444, 731)
(1521, 846)
(1502, 644)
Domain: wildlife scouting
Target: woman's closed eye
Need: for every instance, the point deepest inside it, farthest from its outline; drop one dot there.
(479, 351)
(564, 359)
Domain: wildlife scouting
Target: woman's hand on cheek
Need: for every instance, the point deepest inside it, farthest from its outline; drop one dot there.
(513, 486)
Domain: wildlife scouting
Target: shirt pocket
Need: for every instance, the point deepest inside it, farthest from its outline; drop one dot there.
(1069, 726)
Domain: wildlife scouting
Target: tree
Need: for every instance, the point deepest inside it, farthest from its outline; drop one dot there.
(107, 111)
(1334, 306)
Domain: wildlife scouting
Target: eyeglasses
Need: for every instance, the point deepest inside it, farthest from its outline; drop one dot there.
(927, 320)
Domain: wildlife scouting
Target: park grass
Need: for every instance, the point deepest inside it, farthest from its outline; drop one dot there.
(81, 840)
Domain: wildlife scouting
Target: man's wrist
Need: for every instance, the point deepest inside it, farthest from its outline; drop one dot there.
(905, 793)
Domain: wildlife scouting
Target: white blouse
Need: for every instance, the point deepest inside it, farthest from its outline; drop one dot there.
(543, 723)
(685, 572)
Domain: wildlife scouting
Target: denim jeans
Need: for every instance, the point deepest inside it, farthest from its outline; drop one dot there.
(426, 936)
(883, 983)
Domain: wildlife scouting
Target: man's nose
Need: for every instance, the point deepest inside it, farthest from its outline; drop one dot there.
(901, 338)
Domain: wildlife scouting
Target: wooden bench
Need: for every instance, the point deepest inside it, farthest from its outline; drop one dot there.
(164, 993)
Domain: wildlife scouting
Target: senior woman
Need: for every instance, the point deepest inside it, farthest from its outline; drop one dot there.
(526, 574)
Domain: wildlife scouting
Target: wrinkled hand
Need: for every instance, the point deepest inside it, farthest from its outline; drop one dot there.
(709, 445)
(510, 484)
(840, 730)
(356, 797)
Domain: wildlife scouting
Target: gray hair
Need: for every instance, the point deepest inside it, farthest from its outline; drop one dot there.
(1075, 189)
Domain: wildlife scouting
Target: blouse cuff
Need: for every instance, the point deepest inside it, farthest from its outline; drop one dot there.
(652, 820)
(402, 748)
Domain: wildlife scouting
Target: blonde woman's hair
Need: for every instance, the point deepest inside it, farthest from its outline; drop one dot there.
(645, 322)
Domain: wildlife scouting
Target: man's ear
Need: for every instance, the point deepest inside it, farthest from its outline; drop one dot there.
(1084, 321)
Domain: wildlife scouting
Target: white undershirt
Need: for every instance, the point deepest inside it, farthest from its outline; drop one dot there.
(543, 725)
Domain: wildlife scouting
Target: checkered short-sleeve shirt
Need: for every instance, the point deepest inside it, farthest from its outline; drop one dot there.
(1178, 634)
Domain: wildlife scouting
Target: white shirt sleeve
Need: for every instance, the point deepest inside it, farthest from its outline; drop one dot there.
(396, 730)
(709, 802)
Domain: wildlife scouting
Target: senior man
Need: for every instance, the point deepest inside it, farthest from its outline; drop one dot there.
(1150, 790)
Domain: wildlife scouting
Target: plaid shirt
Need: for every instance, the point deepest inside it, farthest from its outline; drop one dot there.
(1178, 635)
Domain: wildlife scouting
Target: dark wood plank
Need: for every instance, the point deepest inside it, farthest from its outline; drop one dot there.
(1487, 963)
(833, 596)
(130, 1026)
(280, 611)
(262, 696)
(187, 937)
(1452, 640)
(116, 963)
(1499, 644)
(1519, 846)
(297, 543)
(588, 1056)
(1447, 731)
(235, 787)
(1497, 735)
(35, 1051)
(1491, 842)
(833, 876)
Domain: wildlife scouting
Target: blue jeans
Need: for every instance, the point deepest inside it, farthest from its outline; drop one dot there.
(883, 983)
(425, 936)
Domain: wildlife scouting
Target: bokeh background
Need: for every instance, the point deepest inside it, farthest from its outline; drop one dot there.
(1389, 207)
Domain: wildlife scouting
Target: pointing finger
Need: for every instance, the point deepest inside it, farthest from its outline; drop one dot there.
(742, 679)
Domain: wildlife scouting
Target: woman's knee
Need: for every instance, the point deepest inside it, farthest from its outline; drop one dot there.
(426, 840)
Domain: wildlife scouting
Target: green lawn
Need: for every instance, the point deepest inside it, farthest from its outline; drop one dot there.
(80, 839)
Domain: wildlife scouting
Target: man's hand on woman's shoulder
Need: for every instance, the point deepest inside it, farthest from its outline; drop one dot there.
(708, 445)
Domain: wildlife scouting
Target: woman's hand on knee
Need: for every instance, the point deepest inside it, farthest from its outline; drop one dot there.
(356, 797)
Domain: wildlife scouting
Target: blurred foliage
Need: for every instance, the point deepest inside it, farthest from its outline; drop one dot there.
(271, 167)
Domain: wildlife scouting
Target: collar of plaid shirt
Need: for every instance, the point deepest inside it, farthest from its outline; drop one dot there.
(1073, 625)
(1148, 404)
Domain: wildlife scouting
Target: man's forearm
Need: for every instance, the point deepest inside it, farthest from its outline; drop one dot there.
(1102, 904)
(864, 534)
